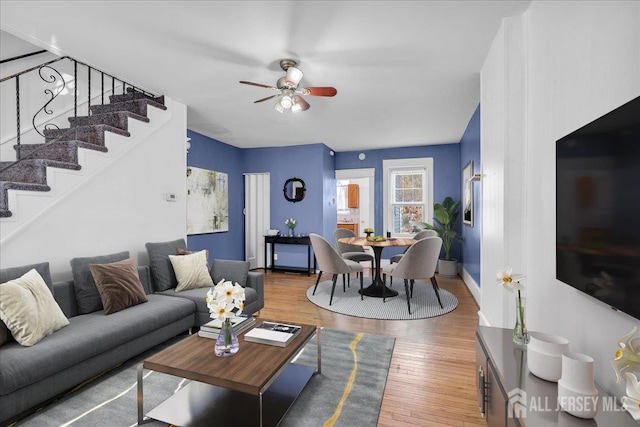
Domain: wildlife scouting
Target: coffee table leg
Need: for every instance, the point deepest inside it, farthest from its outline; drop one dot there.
(260, 402)
(140, 396)
(318, 339)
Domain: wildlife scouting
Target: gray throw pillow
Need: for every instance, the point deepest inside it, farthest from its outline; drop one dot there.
(87, 295)
(164, 277)
(42, 268)
(235, 271)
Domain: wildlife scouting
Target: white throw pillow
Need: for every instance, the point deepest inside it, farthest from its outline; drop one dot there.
(191, 271)
(29, 310)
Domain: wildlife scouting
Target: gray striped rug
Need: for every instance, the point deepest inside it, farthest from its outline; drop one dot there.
(424, 303)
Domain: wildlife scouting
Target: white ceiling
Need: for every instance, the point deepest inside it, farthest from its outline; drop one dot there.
(407, 72)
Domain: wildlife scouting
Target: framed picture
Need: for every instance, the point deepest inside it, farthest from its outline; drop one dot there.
(467, 194)
(207, 201)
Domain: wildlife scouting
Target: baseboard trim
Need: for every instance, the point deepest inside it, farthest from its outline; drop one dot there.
(483, 319)
(473, 287)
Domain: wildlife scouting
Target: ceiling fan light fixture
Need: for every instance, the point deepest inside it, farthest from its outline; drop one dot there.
(294, 75)
(296, 107)
(286, 101)
(278, 107)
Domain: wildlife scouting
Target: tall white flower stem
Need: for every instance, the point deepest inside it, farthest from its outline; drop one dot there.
(521, 312)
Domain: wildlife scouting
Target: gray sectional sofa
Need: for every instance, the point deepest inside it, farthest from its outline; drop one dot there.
(94, 342)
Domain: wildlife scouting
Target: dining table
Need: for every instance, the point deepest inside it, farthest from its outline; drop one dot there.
(378, 288)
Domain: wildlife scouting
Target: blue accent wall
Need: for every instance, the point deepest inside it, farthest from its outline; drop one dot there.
(470, 150)
(446, 175)
(315, 166)
(207, 153)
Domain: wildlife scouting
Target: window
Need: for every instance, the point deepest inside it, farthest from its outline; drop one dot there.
(408, 195)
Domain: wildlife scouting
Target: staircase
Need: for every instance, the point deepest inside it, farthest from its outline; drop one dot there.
(60, 147)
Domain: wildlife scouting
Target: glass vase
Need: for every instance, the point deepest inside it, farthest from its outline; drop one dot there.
(291, 232)
(520, 333)
(227, 342)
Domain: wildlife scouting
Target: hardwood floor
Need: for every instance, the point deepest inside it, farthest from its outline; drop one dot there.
(431, 379)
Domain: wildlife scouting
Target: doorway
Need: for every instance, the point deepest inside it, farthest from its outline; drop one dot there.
(257, 219)
(362, 216)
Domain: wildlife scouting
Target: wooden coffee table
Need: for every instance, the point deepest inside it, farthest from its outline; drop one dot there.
(223, 389)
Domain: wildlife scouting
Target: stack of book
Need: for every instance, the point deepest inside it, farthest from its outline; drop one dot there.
(212, 329)
(278, 334)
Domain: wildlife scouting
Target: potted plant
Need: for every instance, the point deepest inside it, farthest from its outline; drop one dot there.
(445, 216)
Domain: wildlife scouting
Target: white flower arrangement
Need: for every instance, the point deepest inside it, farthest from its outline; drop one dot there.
(225, 300)
(513, 282)
(290, 222)
(509, 281)
(627, 358)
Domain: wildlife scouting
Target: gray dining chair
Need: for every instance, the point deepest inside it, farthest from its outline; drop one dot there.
(419, 235)
(331, 262)
(419, 262)
(351, 252)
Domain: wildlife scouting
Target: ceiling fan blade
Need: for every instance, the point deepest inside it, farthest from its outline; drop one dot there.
(319, 91)
(265, 99)
(302, 102)
(259, 85)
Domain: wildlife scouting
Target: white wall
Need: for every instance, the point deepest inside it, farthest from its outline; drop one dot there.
(582, 60)
(120, 209)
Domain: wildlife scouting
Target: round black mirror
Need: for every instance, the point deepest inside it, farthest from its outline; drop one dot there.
(294, 189)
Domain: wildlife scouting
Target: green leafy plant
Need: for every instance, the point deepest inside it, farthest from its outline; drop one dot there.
(445, 216)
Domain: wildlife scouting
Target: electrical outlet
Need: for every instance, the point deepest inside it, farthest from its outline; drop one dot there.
(275, 257)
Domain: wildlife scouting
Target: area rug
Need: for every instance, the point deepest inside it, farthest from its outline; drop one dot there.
(424, 303)
(348, 392)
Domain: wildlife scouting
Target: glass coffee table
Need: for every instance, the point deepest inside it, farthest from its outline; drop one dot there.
(224, 389)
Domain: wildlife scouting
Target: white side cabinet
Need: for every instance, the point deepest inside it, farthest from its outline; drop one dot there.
(509, 395)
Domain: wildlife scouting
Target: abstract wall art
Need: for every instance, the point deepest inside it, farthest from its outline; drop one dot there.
(207, 201)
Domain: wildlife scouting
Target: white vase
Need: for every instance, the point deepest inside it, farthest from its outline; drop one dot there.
(544, 355)
(577, 393)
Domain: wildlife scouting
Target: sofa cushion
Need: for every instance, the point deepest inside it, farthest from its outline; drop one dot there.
(87, 336)
(42, 268)
(87, 295)
(161, 269)
(191, 271)
(29, 310)
(235, 271)
(118, 285)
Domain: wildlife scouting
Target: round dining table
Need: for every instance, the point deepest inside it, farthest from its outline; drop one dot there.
(377, 288)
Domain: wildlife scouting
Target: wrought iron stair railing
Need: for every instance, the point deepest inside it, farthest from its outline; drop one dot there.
(89, 85)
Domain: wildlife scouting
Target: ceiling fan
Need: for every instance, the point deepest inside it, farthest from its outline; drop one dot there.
(288, 90)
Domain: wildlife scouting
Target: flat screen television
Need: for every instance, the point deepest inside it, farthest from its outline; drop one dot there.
(598, 208)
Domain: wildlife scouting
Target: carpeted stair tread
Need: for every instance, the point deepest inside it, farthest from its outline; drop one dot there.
(138, 106)
(93, 134)
(32, 171)
(8, 185)
(62, 151)
(134, 94)
(117, 119)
